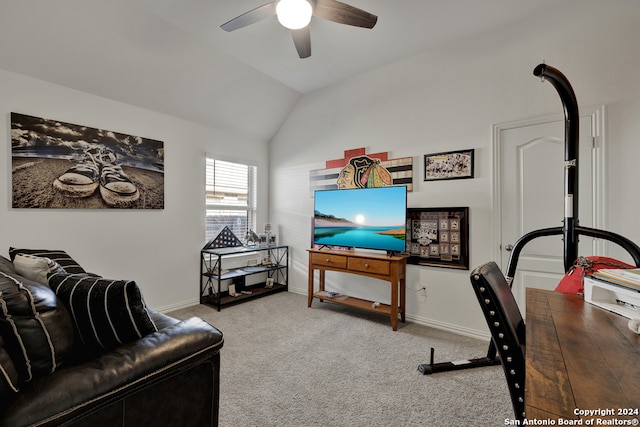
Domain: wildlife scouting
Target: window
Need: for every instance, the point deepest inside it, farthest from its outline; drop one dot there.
(230, 197)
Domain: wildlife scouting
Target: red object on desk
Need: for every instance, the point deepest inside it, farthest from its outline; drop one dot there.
(573, 280)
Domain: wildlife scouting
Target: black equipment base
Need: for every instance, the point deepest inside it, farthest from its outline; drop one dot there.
(426, 369)
(433, 368)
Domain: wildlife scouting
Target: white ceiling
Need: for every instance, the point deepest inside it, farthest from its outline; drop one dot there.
(172, 57)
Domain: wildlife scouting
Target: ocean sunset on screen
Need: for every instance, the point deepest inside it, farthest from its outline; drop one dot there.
(371, 218)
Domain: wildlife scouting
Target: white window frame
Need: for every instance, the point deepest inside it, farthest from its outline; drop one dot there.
(248, 209)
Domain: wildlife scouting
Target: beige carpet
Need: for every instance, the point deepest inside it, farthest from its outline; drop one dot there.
(284, 364)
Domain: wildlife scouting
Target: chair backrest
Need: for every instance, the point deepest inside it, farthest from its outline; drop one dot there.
(506, 325)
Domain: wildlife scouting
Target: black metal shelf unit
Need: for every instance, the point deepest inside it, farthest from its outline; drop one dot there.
(212, 274)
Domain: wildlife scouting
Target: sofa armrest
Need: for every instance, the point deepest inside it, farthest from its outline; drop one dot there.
(161, 320)
(81, 389)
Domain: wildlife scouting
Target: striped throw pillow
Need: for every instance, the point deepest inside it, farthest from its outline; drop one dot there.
(61, 257)
(106, 313)
(35, 327)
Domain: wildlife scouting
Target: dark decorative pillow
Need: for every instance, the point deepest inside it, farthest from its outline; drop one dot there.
(61, 257)
(106, 313)
(34, 325)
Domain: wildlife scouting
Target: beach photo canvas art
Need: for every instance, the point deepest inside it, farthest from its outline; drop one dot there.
(63, 165)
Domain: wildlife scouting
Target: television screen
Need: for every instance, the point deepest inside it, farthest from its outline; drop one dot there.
(369, 218)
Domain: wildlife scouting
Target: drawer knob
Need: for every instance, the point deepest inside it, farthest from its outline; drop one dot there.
(366, 266)
(327, 260)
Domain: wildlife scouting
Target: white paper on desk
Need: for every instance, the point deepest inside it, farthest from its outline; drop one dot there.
(632, 274)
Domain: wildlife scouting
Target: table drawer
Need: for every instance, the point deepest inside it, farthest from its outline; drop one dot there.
(335, 261)
(369, 266)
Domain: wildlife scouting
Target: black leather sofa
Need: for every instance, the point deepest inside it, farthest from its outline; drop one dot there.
(50, 375)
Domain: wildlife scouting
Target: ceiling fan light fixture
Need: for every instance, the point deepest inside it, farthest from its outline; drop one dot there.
(294, 14)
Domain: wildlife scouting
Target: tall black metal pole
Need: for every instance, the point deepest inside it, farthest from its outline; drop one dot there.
(571, 150)
(570, 230)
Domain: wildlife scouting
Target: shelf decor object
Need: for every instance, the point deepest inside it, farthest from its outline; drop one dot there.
(223, 238)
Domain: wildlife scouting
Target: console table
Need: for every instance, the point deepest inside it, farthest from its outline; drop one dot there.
(391, 269)
(579, 356)
(212, 273)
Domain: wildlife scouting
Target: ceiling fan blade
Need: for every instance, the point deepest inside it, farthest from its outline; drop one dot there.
(258, 14)
(302, 40)
(343, 13)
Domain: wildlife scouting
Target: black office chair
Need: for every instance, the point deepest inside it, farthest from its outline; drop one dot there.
(507, 328)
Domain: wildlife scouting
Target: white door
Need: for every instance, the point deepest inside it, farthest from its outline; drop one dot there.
(531, 194)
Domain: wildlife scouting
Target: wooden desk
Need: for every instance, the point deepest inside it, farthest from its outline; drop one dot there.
(388, 268)
(579, 356)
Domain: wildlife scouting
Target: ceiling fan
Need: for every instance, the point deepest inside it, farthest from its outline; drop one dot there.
(296, 15)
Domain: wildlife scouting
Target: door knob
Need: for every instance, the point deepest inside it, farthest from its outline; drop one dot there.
(508, 247)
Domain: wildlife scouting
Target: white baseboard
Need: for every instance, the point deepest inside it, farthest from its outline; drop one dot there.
(177, 306)
(455, 329)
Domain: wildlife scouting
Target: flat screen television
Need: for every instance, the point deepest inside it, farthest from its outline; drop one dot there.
(368, 218)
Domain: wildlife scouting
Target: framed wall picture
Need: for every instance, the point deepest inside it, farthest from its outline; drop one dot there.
(56, 164)
(448, 165)
(438, 237)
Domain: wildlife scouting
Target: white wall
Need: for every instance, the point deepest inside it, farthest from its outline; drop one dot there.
(159, 249)
(441, 100)
(449, 99)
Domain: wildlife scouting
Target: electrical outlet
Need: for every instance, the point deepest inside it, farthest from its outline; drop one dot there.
(423, 289)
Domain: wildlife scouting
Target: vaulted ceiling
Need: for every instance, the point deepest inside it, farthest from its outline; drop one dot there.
(172, 57)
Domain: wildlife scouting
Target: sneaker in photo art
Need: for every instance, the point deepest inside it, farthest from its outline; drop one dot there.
(116, 188)
(80, 180)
